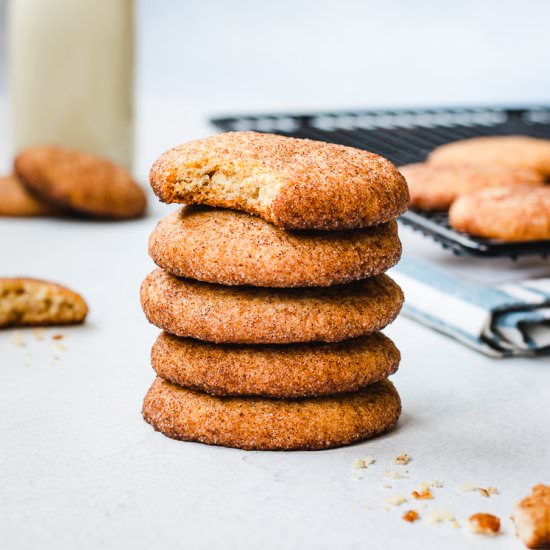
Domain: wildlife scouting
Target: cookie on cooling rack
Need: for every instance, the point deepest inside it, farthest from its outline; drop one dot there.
(435, 187)
(509, 214)
(512, 151)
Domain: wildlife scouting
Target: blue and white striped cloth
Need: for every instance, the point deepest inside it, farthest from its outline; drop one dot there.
(511, 319)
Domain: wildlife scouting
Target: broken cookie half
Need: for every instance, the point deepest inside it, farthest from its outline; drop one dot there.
(32, 302)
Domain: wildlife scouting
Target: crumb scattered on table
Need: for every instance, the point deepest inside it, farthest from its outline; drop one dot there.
(411, 516)
(17, 339)
(488, 491)
(393, 474)
(395, 500)
(484, 524)
(440, 516)
(362, 463)
(402, 459)
(38, 333)
(58, 337)
(423, 493)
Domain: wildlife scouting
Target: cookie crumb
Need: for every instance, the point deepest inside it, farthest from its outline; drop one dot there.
(392, 474)
(484, 524)
(434, 517)
(396, 500)
(447, 516)
(362, 463)
(402, 459)
(423, 492)
(466, 487)
(59, 347)
(58, 337)
(17, 339)
(38, 333)
(411, 516)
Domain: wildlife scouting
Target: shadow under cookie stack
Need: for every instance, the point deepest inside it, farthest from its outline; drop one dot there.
(271, 293)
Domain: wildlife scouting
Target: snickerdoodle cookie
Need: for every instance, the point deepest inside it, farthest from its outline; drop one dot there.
(31, 302)
(254, 315)
(256, 423)
(287, 370)
(510, 214)
(435, 187)
(80, 182)
(512, 151)
(293, 183)
(16, 201)
(234, 248)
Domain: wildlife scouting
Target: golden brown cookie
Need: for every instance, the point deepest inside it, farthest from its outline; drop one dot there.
(287, 370)
(16, 201)
(293, 183)
(435, 187)
(509, 214)
(255, 423)
(80, 182)
(31, 302)
(512, 151)
(253, 315)
(532, 518)
(234, 248)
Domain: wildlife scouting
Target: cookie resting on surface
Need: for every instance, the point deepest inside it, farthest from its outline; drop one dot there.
(292, 183)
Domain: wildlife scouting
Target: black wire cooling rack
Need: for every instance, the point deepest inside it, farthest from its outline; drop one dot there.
(408, 135)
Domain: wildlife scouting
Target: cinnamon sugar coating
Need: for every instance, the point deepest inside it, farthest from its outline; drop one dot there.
(292, 183)
(252, 315)
(256, 423)
(234, 248)
(284, 370)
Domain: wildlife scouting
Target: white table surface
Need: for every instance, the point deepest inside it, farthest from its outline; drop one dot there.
(79, 468)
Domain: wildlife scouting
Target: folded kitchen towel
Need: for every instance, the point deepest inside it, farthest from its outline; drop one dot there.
(511, 319)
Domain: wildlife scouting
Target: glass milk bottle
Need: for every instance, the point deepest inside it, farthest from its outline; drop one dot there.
(70, 71)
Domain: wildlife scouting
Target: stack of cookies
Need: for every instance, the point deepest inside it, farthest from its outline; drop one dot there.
(271, 293)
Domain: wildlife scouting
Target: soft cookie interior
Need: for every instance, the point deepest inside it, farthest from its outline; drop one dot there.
(247, 185)
(30, 302)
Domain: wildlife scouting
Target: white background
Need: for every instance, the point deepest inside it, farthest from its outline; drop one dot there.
(78, 466)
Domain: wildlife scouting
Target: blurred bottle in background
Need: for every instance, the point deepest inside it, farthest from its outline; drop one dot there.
(70, 75)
